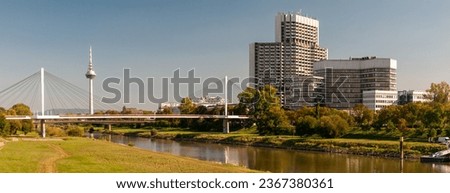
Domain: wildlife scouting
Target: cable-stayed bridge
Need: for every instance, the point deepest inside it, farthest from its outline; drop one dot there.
(55, 100)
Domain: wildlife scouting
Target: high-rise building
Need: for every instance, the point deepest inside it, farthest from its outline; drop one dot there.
(291, 56)
(346, 80)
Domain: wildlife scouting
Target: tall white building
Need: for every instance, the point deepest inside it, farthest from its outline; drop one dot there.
(291, 56)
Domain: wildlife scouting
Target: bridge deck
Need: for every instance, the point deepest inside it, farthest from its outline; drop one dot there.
(117, 117)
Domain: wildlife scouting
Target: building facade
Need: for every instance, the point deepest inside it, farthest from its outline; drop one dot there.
(208, 101)
(302, 91)
(346, 80)
(291, 56)
(410, 96)
(378, 99)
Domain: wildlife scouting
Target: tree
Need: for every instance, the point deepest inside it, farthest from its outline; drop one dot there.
(14, 125)
(4, 130)
(112, 112)
(387, 114)
(274, 122)
(402, 125)
(390, 126)
(363, 116)
(306, 125)
(439, 92)
(270, 118)
(187, 106)
(201, 110)
(27, 125)
(414, 113)
(333, 126)
(247, 101)
(146, 112)
(21, 109)
(8, 127)
(434, 116)
(433, 133)
(246, 106)
(24, 125)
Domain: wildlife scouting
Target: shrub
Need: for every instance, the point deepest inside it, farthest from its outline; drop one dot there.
(306, 125)
(153, 132)
(75, 131)
(162, 123)
(55, 132)
(333, 126)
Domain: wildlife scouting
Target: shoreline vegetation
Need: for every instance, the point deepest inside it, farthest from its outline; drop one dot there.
(358, 130)
(82, 155)
(366, 147)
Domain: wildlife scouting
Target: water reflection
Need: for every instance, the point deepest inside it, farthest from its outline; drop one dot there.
(280, 160)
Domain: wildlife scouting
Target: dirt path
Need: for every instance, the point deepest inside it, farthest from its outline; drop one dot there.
(49, 164)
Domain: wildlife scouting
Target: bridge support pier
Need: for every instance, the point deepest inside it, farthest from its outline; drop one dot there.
(226, 126)
(109, 127)
(43, 128)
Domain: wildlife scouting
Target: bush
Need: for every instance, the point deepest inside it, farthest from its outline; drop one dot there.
(153, 132)
(162, 123)
(75, 131)
(333, 126)
(55, 132)
(306, 126)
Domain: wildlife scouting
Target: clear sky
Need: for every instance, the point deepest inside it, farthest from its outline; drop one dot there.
(155, 37)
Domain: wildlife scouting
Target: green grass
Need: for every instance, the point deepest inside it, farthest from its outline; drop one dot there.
(24, 156)
(95, 156)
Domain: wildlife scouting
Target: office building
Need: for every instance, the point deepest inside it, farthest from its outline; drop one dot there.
(346, 80)
(409, 96)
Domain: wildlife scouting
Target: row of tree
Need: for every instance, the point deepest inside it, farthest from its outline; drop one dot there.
(270, 119)
(420, 119)
(264, 107)
(417, 119)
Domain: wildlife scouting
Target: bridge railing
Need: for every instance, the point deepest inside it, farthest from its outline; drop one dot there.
(126, 116)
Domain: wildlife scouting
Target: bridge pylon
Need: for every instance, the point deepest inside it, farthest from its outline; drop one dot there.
(226, 123)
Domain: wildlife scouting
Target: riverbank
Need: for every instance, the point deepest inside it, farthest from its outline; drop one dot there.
(368, 147)
(81, 155)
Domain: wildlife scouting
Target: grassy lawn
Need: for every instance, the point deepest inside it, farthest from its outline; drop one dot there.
(24, 156)
(94, 156)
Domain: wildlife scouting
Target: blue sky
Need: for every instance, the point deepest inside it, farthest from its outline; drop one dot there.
(155, 37)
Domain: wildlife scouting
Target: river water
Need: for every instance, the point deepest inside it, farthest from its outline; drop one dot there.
(280, 160)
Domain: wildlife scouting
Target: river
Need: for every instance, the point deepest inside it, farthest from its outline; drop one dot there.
(280, 160)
